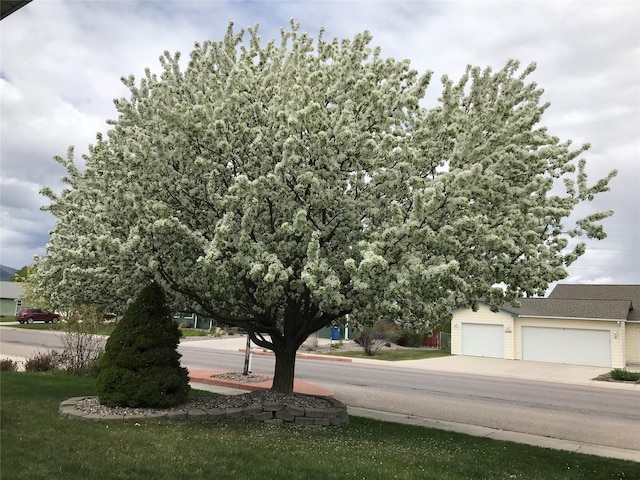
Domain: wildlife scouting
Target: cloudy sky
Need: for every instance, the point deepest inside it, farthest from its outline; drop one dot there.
(61, 63)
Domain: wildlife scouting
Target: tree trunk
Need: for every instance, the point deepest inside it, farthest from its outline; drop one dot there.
(285, 370)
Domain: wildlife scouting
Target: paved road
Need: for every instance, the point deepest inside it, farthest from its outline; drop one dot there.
(24, 343)
(580, 413)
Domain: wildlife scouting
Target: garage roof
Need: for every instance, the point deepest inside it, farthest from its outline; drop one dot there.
(11, 290)
(601, 293)
(572, 308)
(7, 7)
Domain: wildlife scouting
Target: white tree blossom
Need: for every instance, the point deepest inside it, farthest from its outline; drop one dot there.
(278, 187)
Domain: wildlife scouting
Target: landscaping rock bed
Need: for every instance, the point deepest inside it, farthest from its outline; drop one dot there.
(262, 406)
(239, 377)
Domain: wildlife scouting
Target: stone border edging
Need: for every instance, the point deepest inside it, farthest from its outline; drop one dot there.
(273, 413)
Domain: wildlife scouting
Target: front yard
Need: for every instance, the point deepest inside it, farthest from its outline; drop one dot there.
(38, 443)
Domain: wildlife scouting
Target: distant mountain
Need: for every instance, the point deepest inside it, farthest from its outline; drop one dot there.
(6, 273)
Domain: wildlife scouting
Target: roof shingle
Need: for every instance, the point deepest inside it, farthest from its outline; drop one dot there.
(601, 293)
(11, 290)
(571, 308)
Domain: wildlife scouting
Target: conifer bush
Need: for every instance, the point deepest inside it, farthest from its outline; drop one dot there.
(140, 366)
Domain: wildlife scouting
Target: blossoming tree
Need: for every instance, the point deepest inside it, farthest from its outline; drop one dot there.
(278, 187)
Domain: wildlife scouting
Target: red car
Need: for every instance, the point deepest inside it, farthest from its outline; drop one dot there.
(30, 315)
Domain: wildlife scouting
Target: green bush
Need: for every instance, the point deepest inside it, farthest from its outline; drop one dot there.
(372, 339)
(8, 365)
(49, 361)
(140, 366)
(82, 346)
(409, 338)
(625, 375)
(390, 331)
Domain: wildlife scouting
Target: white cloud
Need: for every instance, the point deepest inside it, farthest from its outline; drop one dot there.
(595, 281)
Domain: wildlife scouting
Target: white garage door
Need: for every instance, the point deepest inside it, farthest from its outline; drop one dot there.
(479, 340)
(567, 345)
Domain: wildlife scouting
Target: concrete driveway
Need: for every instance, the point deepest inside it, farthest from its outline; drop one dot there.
(526, 370)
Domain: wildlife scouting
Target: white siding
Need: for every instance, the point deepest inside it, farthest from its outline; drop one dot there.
(633, 342)
(486, 317)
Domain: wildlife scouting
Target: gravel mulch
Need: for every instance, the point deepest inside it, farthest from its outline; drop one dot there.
(239, 377)
(91, 405)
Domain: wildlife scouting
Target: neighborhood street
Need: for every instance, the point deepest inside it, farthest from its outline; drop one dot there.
(576, 410)
(599, 415)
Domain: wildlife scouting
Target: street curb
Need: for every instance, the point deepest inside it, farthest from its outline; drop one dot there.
(306, 356)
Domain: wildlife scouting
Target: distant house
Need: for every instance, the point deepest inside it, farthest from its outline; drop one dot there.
(192, 320)
(10, 294)
(595, 325)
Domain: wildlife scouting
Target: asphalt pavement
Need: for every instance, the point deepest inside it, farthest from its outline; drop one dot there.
(494, 367)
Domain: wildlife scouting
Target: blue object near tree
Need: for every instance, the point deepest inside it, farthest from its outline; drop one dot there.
(335, 333)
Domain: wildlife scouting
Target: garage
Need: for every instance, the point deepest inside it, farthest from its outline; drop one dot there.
(567, 345)
(483, 340)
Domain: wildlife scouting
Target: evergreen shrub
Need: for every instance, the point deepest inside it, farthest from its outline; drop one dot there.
(140, 366)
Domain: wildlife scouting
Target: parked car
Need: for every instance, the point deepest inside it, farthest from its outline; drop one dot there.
(30, 315)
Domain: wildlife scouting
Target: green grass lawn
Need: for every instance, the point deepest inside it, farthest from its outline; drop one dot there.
(192, 332)
(394, 355)
(104, 329)
(38, 444)
(40, 326)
